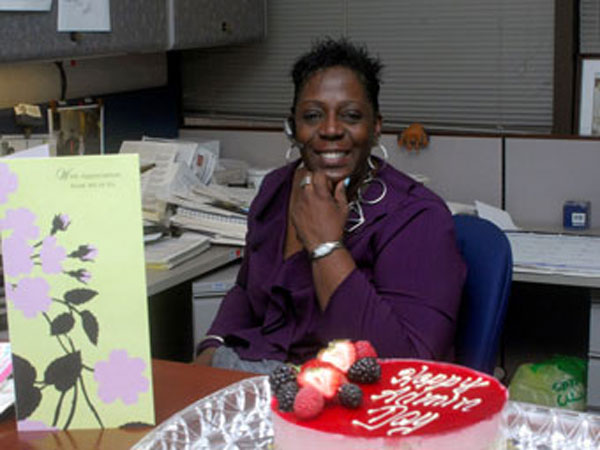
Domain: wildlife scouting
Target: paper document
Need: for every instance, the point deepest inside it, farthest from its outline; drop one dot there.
(495, 215)
(83, 15)
(167, 171)
(199, 158)
(555, 253)
(15, 143)
(25, 5)
(170, 252)
(461, 208)
(41, 151)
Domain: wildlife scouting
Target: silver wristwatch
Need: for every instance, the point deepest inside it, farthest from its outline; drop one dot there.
(325, 249)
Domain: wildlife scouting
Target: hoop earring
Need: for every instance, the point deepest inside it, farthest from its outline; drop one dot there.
(379, 198)
(383, 150)
(370, 161)
(288, 153)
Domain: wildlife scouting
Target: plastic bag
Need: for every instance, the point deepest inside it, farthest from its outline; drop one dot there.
(557, 382)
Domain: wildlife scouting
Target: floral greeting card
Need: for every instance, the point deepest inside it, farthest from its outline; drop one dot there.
(75, 286)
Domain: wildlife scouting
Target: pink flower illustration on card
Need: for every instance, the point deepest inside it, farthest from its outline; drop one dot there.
(52, 255)
(8, 182)
(31, 296)
(34, 425)
(47, 279)
(22, 222)
(121, 377)
(17, 256)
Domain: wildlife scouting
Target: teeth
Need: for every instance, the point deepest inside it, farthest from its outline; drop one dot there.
(331, 155)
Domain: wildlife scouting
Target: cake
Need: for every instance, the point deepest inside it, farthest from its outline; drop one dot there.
(414, 404)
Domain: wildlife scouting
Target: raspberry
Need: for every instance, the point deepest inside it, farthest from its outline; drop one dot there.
(308, 403)
(280, 376)
(286, 396)
(364, 349)
(350, 395)
(365, 370)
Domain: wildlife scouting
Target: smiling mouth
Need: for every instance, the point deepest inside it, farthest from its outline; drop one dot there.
(330, 156)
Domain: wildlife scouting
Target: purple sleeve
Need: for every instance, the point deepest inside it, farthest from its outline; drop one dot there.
(407, 307)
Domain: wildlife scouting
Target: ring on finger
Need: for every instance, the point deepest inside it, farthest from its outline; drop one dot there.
(305, 181)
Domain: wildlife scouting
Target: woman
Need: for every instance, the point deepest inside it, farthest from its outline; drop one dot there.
(339, 244)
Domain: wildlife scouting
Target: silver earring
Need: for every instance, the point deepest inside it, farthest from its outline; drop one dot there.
(288, 153)
(379, 198)
(383, 150)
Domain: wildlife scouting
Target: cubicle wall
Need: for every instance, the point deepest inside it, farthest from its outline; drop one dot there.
(460, 169)
(541, 174)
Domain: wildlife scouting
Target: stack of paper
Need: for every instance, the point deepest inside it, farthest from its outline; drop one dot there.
(217, 211)
(170, 252)
(555, 253)
(219, 228)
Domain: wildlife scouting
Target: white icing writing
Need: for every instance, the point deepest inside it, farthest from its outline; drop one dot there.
(399, 410)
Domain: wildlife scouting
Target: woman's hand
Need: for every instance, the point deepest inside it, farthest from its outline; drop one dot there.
(318, 209)
(205, 358)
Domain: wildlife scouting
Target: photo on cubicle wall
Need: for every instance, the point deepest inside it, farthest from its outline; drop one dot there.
(589, 97)
(77, 129)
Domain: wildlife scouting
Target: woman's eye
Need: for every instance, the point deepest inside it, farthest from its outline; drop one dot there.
(352, 116)
(311, 116)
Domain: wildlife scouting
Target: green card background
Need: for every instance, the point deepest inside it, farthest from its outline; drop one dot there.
(101, 196)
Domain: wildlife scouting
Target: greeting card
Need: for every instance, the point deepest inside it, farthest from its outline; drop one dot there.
(73, 257)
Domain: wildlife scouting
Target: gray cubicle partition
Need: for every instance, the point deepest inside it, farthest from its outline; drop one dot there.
(541, 174)
(459, 168)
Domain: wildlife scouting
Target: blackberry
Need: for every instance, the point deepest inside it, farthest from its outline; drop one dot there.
(286, 394)
(280, 376)
(365, 370)
(350, 395)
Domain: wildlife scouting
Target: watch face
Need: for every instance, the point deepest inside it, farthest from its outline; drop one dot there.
(325, 249)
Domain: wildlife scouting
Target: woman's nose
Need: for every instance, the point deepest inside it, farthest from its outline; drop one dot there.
(331, 128)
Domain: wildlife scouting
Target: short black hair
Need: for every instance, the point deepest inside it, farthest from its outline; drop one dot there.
(328, 52)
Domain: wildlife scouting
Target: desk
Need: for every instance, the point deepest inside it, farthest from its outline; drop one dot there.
(176, 385)
(592, 284)
(170, 302)
(216, 256)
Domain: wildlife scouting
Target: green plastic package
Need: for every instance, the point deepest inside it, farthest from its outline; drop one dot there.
(559, 382)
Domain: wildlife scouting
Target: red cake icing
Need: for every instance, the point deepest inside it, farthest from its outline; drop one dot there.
(413, 398)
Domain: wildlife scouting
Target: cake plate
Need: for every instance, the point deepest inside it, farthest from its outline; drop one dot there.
(238, 417)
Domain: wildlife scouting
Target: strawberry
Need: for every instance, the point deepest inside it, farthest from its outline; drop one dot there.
(341, 353)
(324, 377)
(308, 403)
(364, 349)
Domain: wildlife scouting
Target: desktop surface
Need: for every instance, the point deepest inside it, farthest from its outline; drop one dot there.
(176, 385)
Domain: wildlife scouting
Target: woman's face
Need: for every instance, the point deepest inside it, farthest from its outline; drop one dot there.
(335, 123)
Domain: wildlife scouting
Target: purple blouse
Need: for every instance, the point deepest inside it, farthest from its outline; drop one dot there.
(403, 295)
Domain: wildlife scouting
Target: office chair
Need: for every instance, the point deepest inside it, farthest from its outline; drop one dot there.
(487, 254)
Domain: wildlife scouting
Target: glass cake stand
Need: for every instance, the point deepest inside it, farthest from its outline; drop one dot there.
(238, 417)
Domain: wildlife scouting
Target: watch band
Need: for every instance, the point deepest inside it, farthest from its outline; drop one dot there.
(325, 249)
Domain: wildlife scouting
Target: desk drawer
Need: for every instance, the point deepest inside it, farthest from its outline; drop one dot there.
(593, 386)
(595, 329)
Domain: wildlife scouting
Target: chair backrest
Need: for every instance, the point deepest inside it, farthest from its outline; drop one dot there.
(487, 254)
